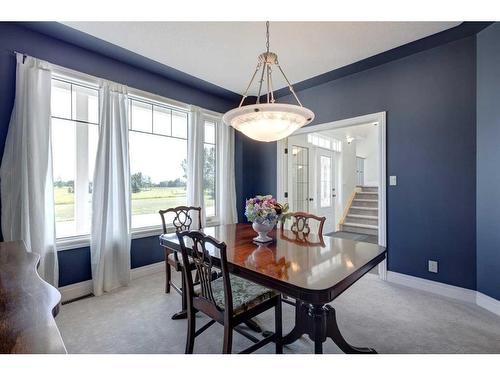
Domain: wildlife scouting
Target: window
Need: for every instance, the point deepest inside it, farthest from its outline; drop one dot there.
(300, 178)
(75, 132)
(325, 142)
(325, 180)
(158, 160)
(158, 133)
(210, 169)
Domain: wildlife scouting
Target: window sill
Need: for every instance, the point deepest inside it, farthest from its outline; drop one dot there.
(77, 242)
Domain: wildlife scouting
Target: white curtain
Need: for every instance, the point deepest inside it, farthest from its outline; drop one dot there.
(227, 189)
(110, 233)
(26, 173)
(195, 162)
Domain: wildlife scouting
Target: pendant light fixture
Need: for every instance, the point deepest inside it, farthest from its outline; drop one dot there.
(268, 121)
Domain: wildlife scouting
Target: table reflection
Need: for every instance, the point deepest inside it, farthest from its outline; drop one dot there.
(301, 238)
(263, 259)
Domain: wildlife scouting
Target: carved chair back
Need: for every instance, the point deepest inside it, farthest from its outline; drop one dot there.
(200, 247)
(300, 223)
(183, 217)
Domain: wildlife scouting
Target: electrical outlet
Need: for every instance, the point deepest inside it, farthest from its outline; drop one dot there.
(433, 266)
(393, 180)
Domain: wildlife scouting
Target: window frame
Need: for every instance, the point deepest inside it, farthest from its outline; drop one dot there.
(153, 100)
(76, 240)
(207, 116)
(88, 81)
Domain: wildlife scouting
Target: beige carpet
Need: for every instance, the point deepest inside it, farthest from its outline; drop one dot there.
(387, 317)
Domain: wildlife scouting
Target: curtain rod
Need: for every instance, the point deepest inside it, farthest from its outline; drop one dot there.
(79, 75)
(14, 52)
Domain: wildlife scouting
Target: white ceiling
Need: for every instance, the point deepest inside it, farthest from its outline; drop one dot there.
(225, 53)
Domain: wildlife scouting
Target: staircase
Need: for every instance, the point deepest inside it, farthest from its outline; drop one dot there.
(362, 216)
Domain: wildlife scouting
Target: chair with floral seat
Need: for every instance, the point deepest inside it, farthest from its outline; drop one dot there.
(229, 299)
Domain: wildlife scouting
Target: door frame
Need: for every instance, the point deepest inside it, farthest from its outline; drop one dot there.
(380, 118)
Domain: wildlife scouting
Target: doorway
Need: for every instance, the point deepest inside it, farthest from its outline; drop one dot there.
(326, 170)
(311, 179)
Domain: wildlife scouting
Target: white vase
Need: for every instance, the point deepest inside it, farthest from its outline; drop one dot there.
(262, 230)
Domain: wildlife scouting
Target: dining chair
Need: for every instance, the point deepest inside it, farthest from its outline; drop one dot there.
(301, 229)
(228, 300)
(300, 223)
(182, 220)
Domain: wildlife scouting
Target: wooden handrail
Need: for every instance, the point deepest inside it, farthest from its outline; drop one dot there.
(347, 207)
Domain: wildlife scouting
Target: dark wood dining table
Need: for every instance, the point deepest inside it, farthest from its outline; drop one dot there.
(312, 269)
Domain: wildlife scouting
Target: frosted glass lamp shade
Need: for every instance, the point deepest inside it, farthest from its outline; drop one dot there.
(268, 122)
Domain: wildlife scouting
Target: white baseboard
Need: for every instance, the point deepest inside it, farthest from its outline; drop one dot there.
(488, 303)
(450, 291)
(77, 290)
(135, 273)
(435, 287)
(84, 288)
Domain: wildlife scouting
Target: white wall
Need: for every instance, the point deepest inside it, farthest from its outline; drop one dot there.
(368, 148)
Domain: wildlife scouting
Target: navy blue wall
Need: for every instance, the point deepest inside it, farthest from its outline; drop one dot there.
(255, 170)
(488, 161)
(431, 145)
(75, 264)
(431, 140)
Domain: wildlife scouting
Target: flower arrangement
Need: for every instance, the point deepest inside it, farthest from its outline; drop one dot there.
(264, 209)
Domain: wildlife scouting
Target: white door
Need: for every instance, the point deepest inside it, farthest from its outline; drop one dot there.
(325, 188)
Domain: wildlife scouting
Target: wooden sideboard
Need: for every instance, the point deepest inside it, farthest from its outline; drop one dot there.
(28, 304)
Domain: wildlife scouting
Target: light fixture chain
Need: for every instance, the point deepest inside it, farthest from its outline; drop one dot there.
(245, 94)
(261, 81)
(289, 85)
(268, 82)
(267, 36)
(271, 88)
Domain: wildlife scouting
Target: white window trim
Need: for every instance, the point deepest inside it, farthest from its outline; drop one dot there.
(217, 119)
(154, 100)
(81, 169)
(81, 241)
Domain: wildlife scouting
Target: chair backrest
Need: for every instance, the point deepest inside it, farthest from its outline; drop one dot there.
(199, 250)
(300, 223)
(183, 218)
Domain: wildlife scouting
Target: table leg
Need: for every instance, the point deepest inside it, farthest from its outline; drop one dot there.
(318, 347)
(333, 332)
(319, 322)
(317, 326)
(300, 325)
